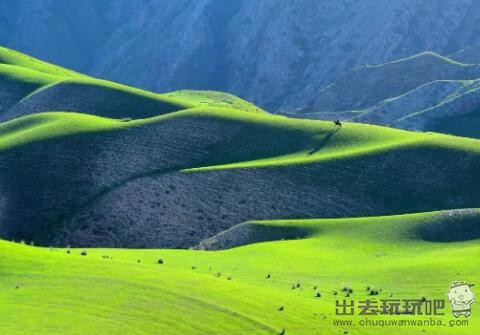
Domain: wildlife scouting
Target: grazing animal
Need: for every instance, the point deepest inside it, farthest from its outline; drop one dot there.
(337, 123)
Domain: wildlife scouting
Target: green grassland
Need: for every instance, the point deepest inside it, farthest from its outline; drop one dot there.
(60, 292)
(288, 155)
(240, 290)
(35, 77)
(227, 292)
(306, 140)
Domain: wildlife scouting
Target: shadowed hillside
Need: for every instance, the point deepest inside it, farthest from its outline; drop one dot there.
(131, 168)
(422, 92)
(444, 226)
(148, 183)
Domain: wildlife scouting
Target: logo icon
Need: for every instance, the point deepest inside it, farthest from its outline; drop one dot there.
(461, 298)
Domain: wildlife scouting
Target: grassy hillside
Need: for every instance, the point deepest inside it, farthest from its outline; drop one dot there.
(28, 86)
(90, 163)
(122, 192)
(228, 292)
(15, 58)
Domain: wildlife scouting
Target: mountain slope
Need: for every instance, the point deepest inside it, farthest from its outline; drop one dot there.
(422, 92)
(365, 86)
(278, 54)
(470, 54)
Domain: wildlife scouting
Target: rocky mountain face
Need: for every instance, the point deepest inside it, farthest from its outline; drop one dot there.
(282, 55)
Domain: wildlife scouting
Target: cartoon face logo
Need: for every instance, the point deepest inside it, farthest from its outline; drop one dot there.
(461, 298)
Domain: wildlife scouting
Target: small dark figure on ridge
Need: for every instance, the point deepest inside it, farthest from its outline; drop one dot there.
(337, 123)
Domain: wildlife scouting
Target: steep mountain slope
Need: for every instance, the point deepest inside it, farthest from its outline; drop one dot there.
(278, 54)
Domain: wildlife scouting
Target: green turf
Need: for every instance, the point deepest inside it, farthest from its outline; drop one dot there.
(117, 294)
(318, 140)
(95, 295)
(215, 99)
(12, 57)
(39, 75)
(28, 76)
(50, 291)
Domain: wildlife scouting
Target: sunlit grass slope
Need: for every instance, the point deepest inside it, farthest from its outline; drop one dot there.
(89, 165)
(71, 139)
(215, 99)
(32, 86)
(307, 140)
(241, 290)
(15, 58)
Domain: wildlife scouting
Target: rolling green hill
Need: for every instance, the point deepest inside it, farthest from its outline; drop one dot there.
(90, 163)
(112, 174)
(111, 189)
(28, 85)
(228, 292)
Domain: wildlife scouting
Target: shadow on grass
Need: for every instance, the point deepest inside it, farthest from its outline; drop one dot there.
(323, 141)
